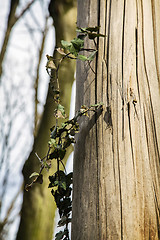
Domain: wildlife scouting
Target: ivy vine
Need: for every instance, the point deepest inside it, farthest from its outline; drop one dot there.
(63, 135)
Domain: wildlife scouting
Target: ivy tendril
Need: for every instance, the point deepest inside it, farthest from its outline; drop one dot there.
(63, 135)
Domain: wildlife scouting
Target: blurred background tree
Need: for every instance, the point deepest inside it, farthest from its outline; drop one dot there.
(27, 109)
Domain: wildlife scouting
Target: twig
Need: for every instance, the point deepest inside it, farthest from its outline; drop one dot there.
(24, 10)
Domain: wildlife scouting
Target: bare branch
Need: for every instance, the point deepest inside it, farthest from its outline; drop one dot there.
(24, 10)
(12, 19)
(37, 75)
(6, 219)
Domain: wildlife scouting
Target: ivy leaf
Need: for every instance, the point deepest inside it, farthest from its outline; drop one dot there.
(89, 29)
(68, 142)
(92, 32)
(69, 46)
(64, 220)
(93, 29)
(62, 153)
(74, 46)
(57, 197)
(66, 44)
(50, 63)
(58, 179)
(92, 55)
(63, 185)
(58, 152)
(82, 57)
(100, 104)
(54, 154)
(89, 58)
(84, 110)
(61, 51)
(78, 43)
(48, 164)
(94, 35)
(60, 235)
(82, 36)
(81, 30)
(60, 113)
(34, 174)
(67, 210)
(68, 192)
(69, 178)
(52, 142)
(61, 108)
(66, 205)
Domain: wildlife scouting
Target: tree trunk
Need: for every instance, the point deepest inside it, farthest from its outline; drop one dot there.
(117, 159)
(38, 209)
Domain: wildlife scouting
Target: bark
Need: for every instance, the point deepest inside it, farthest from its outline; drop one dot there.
(38, 209)
(117, 159)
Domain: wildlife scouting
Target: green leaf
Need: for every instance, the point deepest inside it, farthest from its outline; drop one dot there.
(64, 220)
(66, 44)
(58, 179)
(68, 192)
(93, 29)
(62, 153)
(81, 30)
(34, 174)
(82, 57)
(94, 35)
(88, 29)
(54, 154)
(100, 104)
(74, 46)
(66, 204)
(63, 185)
(89, 58)
(60, 107)
(77, 43)
(92, 32)
(60, 235)
(92, 56)
(52, 142)
(69, 178)
(60, 111)
(67, 142)
(82, 36)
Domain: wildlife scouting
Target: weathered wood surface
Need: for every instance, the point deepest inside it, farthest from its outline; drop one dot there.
(117, 159)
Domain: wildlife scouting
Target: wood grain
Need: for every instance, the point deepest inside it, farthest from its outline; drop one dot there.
(117, 159)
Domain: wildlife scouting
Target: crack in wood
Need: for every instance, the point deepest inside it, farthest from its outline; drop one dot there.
(155, 40)
(130, 133)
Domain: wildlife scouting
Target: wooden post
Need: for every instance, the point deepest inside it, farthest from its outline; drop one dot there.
(117, 160)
